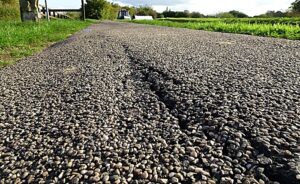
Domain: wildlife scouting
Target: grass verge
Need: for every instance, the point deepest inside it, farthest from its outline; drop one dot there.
(19, 39)
(274, 20)
(269, 30)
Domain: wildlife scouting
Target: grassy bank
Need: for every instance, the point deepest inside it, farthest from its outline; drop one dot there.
(19, 39)
(277, 30)
(276, 20)
(9, 12)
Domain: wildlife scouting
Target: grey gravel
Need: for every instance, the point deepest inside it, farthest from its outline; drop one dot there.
(128, 103)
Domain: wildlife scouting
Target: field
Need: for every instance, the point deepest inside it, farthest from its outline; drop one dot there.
(288, 28)
(18, 39)
(286, 21)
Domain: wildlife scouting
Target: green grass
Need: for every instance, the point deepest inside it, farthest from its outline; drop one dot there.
(276, 20)
(18, 40)
(277, 30)
(9, 12)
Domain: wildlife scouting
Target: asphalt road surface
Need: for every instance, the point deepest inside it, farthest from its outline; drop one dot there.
(128, 103)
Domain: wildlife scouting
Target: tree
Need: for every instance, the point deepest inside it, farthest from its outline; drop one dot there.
(177, 14)
(96, 9)
(238, 14)
(111, 11)
(160, 15)
(101, 9)
(296, 6)
(273, 14)
(146, 10)
(186, 13)
(224, 15)
(130, 9)
(183, 14)
(196, 15)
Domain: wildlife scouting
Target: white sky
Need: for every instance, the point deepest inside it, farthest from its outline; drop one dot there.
(250, 7)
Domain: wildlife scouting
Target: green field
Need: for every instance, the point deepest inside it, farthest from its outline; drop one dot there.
(288, 28)
(283, 20)
(19, 39)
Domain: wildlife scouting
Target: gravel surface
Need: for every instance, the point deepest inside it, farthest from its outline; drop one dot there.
(127, 103)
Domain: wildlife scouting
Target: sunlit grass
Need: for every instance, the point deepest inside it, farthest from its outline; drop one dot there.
(275, 20)
(288, 31)
(19, 39)
(9, 12)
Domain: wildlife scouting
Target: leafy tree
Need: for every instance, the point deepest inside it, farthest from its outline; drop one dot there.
(176, 14)
(111, 11)
(238, 14)
(146, 10)
(224, 15)
(130, 9)
(160, 15)
(273, 14)
(96, 9)
(296, 6)
(101, 9)
(168, 13)
(196, 15)
(184, 14)
(181, 14)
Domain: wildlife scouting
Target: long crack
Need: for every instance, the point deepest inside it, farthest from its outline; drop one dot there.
(278, 170)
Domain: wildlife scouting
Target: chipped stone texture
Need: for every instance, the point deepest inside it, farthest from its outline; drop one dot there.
(128, 103)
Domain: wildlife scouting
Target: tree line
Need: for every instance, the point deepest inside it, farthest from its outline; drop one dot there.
(102, 9)
(294, 10)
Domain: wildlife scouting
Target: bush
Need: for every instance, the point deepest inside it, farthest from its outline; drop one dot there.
(7, 12)
(296, 6)
(101, 9)
(74, 15)
(146, 11)
(224, 15)
(238, 14)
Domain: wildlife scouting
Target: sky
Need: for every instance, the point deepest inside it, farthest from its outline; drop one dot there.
(208, 7)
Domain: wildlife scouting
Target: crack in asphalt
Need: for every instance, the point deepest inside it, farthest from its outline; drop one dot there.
(127, 103)
(278, 171)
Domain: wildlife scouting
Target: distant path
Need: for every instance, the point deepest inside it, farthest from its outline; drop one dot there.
(131, 103)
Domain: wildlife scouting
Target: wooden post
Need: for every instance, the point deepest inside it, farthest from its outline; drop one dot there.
(29, 14)
(47, 10)
(83, 10)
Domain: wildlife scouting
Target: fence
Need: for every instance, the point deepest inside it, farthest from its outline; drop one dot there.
(57, 13)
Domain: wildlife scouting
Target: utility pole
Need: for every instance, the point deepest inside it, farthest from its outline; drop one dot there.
(47, 11)
(83, 10)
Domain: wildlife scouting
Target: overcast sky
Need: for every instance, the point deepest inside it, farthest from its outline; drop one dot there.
(250, 7)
